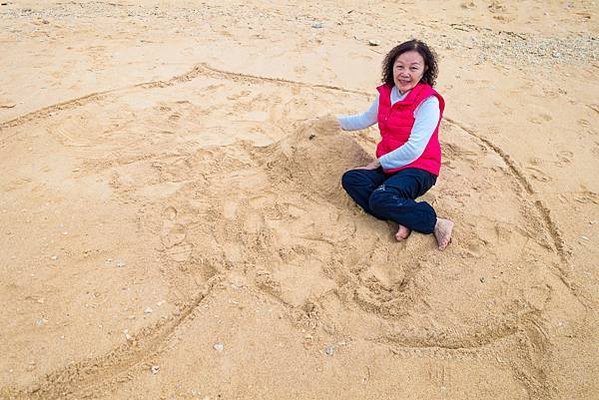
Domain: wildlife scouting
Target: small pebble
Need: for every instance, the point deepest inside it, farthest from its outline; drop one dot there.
(148, 310)
(154, 369)
(219, 347)
(372, 42)
(317, 25)
(120, 263)
(329, 350)
(54, 258)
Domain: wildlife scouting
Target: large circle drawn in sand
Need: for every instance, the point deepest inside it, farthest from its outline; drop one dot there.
(243, 189)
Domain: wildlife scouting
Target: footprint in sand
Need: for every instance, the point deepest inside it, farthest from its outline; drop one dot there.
(173, 236)
(564, 157)
(541, 119)
(583, 123)
(538, 175)
(7, 104)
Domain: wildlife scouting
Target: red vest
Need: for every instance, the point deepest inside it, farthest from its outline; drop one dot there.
(396, 122)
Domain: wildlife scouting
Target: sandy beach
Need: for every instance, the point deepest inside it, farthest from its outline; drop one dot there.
(173, 226)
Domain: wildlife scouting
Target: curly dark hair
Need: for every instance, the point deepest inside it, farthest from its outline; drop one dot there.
(429, 56)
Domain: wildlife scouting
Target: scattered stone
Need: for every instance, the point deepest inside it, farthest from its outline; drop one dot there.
(482, 280)
(127, 336)
(41, 322)
(584, 238)
(373, 42)
(219, 347)
(120, 263)
(54, 258)
(317, 25)
(329, 350)
(148, 310)
(154, 369)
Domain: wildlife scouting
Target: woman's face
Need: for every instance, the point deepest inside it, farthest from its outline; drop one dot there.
(408, 69)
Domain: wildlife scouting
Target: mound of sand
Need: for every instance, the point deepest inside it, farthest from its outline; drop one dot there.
(314, 157)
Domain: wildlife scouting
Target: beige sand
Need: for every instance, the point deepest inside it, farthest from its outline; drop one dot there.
(173, 225)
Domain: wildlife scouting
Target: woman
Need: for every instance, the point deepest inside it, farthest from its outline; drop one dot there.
(408, 111)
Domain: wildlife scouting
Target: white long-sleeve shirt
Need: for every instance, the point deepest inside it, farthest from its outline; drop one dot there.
(426, 118)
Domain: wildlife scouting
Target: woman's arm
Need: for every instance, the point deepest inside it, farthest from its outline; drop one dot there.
(360, 121)
(426, 119)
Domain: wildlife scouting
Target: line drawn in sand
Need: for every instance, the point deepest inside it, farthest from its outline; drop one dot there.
(87, 375)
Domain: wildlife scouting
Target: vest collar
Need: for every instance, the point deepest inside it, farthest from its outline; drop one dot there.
(414, 94)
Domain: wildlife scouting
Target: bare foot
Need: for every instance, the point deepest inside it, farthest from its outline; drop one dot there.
(442, 232)
(402, 233)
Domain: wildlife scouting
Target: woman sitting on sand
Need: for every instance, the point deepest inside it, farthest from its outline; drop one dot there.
(408, 111)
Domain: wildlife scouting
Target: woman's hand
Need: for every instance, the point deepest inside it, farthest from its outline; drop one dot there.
(373, 165)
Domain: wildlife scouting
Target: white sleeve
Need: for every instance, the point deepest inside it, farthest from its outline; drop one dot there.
(426, 119)
(360, 121)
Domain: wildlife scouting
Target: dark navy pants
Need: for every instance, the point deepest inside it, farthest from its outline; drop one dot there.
(392, 196)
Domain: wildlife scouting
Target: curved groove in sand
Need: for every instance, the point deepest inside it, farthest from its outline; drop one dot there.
(84, 377)
(542, 210)
(87, 375)
(199, 69)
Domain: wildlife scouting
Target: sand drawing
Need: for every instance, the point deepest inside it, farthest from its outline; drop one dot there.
(182, 232)
(275, 216)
